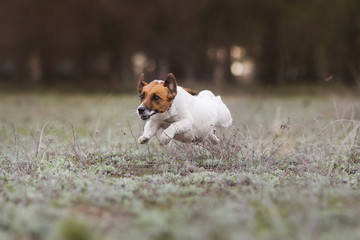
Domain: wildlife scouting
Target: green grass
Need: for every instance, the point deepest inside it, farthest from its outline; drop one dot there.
(71, 168)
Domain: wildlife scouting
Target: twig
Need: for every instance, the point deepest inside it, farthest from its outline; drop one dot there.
(131, 132)
(15, 141)
(40, 139)
(336, 121)
(73, 132)
(14, 132)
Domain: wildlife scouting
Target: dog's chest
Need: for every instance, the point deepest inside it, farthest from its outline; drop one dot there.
(165, 123)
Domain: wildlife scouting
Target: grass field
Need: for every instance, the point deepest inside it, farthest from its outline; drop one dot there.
(71, 168)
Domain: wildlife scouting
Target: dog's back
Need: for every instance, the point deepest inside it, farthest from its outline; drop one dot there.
(208, 112)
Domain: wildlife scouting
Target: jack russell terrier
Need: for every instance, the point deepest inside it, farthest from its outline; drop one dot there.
(182, 115)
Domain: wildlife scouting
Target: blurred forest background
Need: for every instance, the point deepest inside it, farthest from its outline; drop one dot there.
(82, 43)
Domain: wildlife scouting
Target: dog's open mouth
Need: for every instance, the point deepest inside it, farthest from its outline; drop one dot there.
(145, 117)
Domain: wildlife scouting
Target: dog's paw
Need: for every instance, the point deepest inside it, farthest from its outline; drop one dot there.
(213, 139)
(143, 140)
(164, 139)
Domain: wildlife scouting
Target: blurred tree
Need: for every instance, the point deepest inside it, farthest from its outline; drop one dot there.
(289, 41)
(270, 14)
(350, 56)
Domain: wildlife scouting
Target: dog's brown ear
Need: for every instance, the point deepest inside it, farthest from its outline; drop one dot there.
(170, 83)
(141, 83)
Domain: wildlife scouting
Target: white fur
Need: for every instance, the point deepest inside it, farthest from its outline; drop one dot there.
(158, 81)
(190, 118)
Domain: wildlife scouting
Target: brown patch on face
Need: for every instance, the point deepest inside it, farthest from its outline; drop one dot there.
(156, 97)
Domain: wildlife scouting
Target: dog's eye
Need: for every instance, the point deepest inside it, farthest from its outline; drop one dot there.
(156, 97)
(142, 96)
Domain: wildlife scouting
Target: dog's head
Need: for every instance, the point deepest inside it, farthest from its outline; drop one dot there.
(155, 97)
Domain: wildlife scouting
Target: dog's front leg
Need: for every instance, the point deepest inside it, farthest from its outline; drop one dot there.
(150, 129)
(175, 128)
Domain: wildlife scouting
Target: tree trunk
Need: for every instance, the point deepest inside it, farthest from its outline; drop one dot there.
(351, 55)
(21, 69)
(115, 66)
(267, 70)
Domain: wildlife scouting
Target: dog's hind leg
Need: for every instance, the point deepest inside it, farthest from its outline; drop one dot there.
(213, 139)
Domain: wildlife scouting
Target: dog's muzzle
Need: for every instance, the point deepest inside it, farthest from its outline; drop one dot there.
(145, 113)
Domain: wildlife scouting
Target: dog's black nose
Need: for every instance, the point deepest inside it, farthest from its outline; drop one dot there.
(141, 110)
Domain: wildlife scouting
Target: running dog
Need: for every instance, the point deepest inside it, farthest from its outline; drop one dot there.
(183, 115)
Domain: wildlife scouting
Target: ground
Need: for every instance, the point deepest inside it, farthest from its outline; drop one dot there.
(71, 168)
